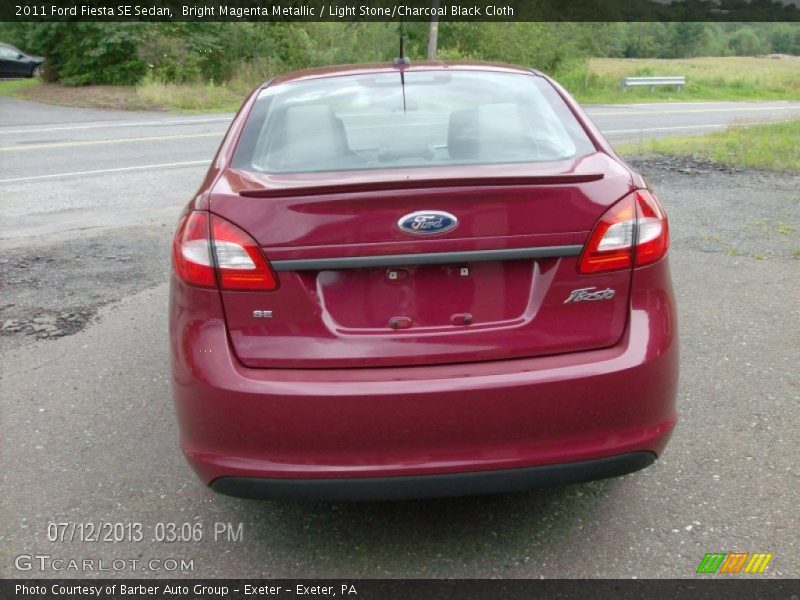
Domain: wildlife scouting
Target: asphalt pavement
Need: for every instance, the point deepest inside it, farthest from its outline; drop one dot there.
(65, 168)
(88, 200)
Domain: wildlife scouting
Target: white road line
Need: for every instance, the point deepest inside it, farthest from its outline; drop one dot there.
(612, 132)
(720, 104)
(644, 129)
(117, 124)
(191, 163)
(737, 109)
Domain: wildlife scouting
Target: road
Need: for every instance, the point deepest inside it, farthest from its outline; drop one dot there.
(80, 155)
(88, 200)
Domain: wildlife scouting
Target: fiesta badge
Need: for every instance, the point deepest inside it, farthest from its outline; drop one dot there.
(427, 222)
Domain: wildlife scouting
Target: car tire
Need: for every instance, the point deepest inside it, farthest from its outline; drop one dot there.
(36, 72)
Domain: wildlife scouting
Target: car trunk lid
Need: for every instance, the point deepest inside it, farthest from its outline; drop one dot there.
(358, 290)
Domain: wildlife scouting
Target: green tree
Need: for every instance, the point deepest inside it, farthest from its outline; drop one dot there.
(783, 38)
(745, 42)
(646, 40)
(687, 39)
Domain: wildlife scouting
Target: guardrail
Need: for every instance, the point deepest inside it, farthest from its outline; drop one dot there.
(652, 82)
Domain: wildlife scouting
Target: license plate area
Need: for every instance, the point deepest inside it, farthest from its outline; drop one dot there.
(415, 297)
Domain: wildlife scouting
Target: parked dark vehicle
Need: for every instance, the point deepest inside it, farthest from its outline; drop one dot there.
(427, 280)
(15, 63)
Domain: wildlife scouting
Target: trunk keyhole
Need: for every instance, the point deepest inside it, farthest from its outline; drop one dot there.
(399, 322)
(461, 319)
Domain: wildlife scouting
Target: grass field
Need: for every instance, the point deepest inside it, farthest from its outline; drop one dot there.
(714, 78)
(17, 87)
(598, 81)
(146, 96)
(774, 147)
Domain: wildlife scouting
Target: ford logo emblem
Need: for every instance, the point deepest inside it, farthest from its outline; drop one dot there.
(427, 222)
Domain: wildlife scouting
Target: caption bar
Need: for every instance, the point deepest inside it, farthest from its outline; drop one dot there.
(411, 10)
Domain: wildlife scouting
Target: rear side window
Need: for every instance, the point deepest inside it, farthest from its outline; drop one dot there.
(435, 118)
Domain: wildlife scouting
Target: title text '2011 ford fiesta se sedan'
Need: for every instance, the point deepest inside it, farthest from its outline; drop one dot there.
(409, 281)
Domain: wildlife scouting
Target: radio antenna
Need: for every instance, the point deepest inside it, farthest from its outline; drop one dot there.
(402, 61)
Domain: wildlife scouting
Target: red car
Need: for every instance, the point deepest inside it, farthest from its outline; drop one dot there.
(419, 280)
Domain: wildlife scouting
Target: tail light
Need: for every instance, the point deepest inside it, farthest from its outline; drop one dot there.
(191, 254)
(633, 232)
(652, 239)
(237, 262)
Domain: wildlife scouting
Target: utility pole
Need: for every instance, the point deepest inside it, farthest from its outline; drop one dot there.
(433, 32)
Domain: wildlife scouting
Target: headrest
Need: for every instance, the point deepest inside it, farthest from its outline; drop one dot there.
(307, 133)
(491, 131)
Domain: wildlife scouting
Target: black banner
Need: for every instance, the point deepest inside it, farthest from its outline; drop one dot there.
(702, 588)
(395, 10)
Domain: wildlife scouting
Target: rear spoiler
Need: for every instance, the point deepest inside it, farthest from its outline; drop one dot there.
(405, 184)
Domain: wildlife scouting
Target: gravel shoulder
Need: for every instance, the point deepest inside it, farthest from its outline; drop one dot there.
(55, 289)
(721, 209)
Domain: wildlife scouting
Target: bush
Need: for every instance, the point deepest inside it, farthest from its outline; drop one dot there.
(85, 53)
(170, 57)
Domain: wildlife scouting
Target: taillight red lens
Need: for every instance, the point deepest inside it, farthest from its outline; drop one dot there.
(191, 254)
(636, 219)
(611, 240)
(652, 241)
(241, 264)
(238, 259)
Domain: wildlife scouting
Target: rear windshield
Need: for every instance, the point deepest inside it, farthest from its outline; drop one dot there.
(435, 118)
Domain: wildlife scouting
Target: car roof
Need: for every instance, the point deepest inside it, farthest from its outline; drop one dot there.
(362, 69)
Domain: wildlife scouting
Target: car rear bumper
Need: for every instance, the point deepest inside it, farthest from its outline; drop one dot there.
(432, 486)
(432, 430)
